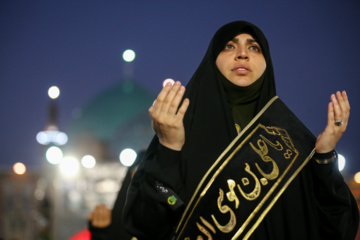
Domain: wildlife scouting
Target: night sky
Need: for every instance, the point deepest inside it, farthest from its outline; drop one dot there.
(77, 45)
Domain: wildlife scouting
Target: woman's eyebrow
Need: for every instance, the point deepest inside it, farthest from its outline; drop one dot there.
(249, 40)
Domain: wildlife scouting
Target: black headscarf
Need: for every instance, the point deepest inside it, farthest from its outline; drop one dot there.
(209, 125)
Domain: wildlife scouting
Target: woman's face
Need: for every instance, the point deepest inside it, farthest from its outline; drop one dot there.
(241, 61)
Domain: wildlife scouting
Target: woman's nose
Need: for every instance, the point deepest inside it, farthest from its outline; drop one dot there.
(242, 54)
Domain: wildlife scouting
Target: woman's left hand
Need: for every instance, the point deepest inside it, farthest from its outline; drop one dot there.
(338, 116)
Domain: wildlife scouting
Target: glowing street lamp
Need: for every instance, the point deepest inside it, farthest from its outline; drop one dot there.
(19, 168)
(69, 166)
(127, 157)
(52, 135)
(341, 162)
(88, 161)
(54, 155)
(357, 177)
(54, 92)
(128, 55)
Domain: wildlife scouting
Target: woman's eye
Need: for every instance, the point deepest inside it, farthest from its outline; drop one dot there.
(228, 46)
(255, 48)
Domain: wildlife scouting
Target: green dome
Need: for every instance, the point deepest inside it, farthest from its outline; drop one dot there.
(111, 110)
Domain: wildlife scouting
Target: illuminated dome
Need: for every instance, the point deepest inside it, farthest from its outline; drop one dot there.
(115, 119)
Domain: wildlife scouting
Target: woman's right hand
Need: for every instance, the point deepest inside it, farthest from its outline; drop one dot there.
(167, 118)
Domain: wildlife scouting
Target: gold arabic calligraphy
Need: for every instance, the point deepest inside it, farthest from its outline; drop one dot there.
(261, 147)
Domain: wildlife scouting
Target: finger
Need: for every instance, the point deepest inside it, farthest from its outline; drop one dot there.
(95, 215)
(103, 212)
(336, 106)
(183, 108)
(97, 212)
(152, 106)
(341, 101)
(331, 117)
(100, 215)
(170, 106)
(345, 96)
(104, 216)
(342, 113)
(176, 101)
(157, 106)
(345, 105)
(108, 214)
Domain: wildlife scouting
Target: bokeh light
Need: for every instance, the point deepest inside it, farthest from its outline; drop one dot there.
(54, 155)
(341, 162)
(128, 55)
(357, 177)
(69, 166)
(168, 80)
(107, 186)
(54, 92)
(19, 168)
(42, 138)
(127, 157)
(88, 161)
(61, 138)
(52, 136)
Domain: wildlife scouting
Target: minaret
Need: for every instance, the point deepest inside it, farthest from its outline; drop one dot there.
(52, 134)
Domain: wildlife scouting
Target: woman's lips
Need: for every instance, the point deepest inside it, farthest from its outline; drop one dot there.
(241, 69)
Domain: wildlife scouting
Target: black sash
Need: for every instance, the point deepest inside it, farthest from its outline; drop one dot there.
(246, 180)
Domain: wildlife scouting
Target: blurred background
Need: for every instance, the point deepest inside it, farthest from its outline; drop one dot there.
(74, 103)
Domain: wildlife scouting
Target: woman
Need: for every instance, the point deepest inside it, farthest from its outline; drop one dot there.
(105, 223)
(233, 83)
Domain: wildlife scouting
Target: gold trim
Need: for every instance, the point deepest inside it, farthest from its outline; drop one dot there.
(269, 193)
(216, 162)
(264, 199)
(272, 189)
(262, 216)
